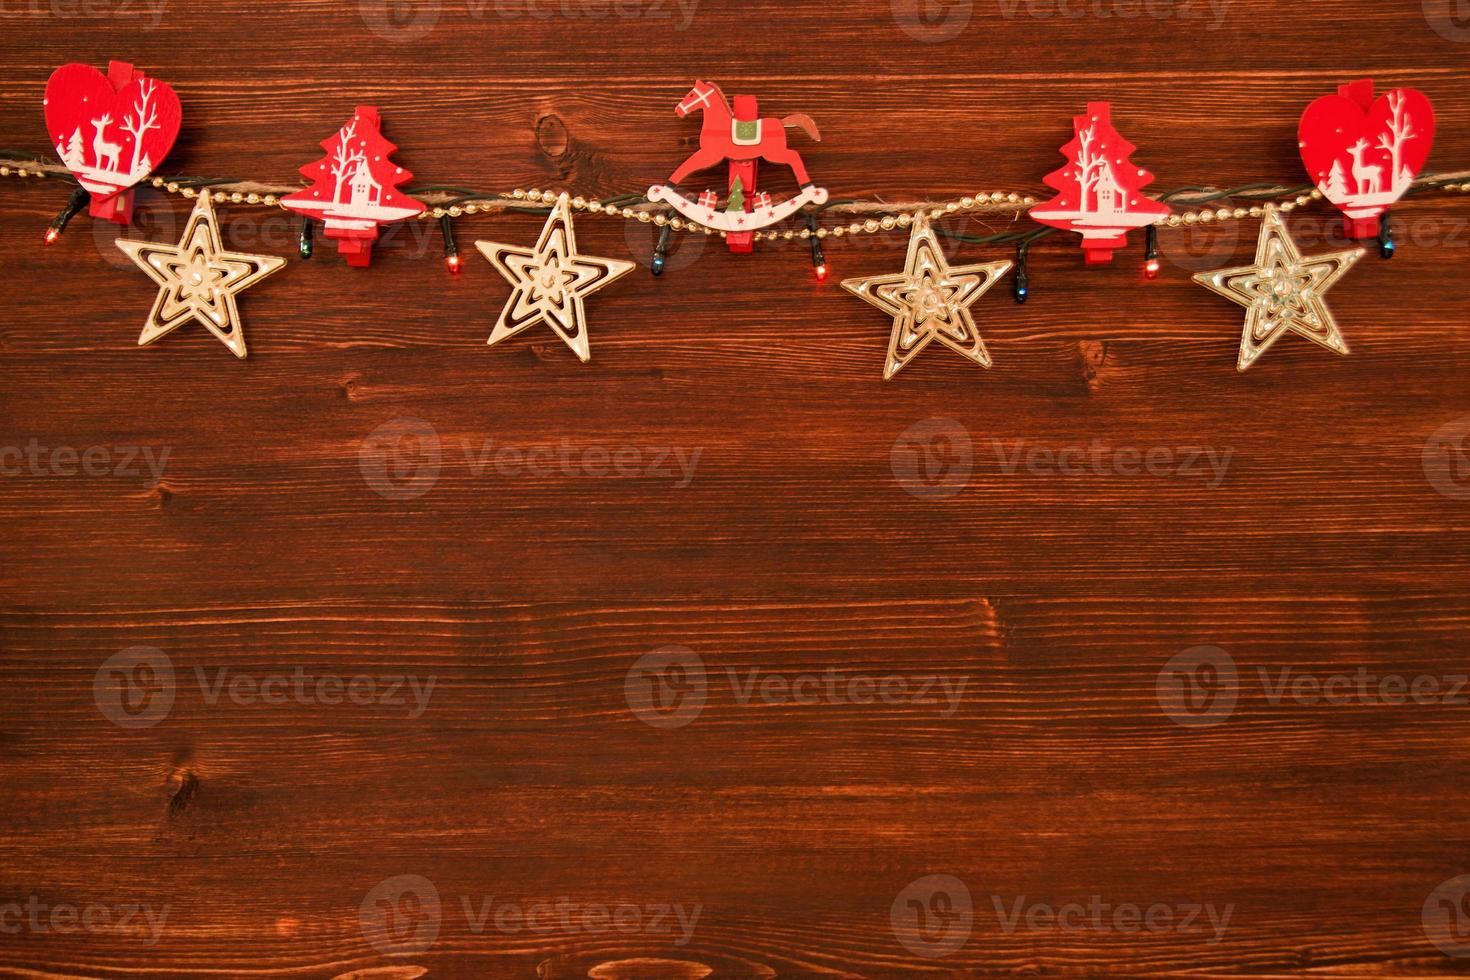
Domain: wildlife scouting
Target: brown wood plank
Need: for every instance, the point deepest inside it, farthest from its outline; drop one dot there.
(1053, 773)
(797, 543)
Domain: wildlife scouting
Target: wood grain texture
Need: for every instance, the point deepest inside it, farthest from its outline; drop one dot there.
(1046, 601)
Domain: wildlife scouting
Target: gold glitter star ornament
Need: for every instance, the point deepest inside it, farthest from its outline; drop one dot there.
(929, 300)
(551, 281)
(198, 280)
(1282, 292)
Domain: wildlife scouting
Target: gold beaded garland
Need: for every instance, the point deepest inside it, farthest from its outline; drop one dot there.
(1010, 201)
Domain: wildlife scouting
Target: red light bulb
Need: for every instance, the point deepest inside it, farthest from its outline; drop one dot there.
(52, 234)
(452, 261)
(822, 272)
(1151, 268)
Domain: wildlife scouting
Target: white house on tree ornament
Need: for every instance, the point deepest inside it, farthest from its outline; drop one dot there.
(1098, 188)
(1109, 194)
(366, 192)
(353, 187)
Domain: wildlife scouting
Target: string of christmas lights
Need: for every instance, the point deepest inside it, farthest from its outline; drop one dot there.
(445, 204)
(356, 187)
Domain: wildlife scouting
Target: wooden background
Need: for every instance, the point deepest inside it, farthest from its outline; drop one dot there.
(1330, 545)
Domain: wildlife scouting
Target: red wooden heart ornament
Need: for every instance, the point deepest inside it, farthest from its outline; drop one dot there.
(1364, 154)
(110, 130)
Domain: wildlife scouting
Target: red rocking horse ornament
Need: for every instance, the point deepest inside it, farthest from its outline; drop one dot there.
(740, 136)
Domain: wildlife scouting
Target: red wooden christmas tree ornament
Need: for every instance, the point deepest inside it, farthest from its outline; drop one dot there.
(352, 189)
(110, 130)
(1099, 190)
(1364, 154)
(742, 138)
